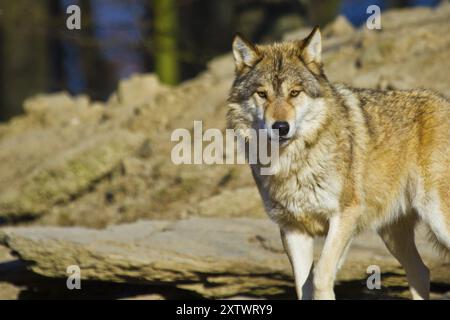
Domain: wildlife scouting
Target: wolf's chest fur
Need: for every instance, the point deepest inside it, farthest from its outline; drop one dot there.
(305, 186)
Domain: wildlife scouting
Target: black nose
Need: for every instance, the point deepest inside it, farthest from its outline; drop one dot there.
(282, 127)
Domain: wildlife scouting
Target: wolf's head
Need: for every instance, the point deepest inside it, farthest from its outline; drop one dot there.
(279, 87)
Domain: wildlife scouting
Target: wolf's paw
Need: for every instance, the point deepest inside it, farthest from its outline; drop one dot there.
(324, 295)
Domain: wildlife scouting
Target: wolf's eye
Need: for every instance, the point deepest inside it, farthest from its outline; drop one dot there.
(294, 93)
(262, 94)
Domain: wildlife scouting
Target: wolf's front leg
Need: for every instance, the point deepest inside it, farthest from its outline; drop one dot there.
(299, 247)
(340, 232)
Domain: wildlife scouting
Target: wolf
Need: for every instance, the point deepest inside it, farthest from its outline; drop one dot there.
(349, 159)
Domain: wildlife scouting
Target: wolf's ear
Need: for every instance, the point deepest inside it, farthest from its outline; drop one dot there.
(312, 47)
(244, 52)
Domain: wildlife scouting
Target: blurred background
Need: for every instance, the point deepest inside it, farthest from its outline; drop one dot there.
(118, 38)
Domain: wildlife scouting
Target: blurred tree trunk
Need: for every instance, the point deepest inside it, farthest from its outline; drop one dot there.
(24, 51)
(397, 3)
(321, 12)
(165, 40)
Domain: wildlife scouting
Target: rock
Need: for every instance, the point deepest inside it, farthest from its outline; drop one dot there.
(338, 28)
(211, 257)
(55, 110)
(134, 166)
(68, 174)
(242, 202)
(220, 67)
(8, 291)
(297, 34)
(139, 90)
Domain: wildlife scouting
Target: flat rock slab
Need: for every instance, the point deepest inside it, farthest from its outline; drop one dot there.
(213, 257)
(227, 255)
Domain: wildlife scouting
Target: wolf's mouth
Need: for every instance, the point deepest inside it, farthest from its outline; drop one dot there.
(283, 141)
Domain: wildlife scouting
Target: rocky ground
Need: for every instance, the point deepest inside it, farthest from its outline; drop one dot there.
(70, 166)
(194, 257)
